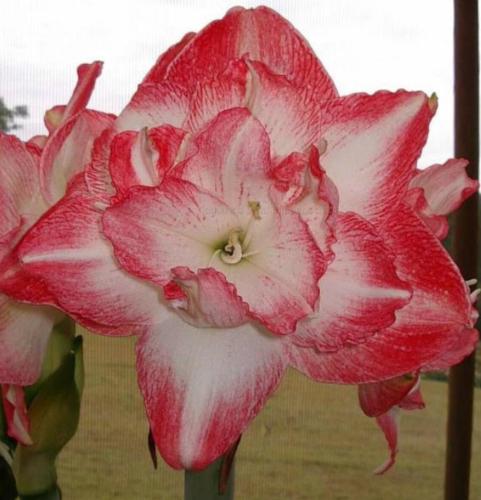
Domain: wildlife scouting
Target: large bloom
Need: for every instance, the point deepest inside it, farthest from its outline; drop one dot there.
(33, 176)
(240, 217)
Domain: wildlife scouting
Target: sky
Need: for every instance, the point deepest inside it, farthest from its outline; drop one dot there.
(365, 45)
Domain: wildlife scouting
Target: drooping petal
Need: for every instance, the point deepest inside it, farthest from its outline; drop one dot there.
(373, 142)
(24, 333)
(66, 251)
(383, 400)
(260, 33)
(359, 293)
(433, 330)
(175, 224)
(389, 424)
(154, 105)
(439, 190)
(379, 397)
(68, 151)
(18, 425)
(19, 190)
(202, 387)
(205, 291)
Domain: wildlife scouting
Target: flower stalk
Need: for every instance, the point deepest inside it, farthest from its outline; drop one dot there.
(208, 484)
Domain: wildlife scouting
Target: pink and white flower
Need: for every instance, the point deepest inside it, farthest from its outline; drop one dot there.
(241, 217)
(33, 176)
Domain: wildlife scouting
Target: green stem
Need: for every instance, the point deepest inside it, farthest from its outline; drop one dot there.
(204, 484)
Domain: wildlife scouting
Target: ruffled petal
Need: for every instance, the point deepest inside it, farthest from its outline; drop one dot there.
(203, 292)
(373, 142)
(24, 334)
(66, 252)
(359, 293)
(202, 387)
(260, 33)
(433, 330)
(175, 224)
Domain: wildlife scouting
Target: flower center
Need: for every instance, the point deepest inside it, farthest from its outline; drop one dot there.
(236, 247)
(232, 252)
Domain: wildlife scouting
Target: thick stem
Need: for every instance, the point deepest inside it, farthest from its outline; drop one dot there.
(205, 484)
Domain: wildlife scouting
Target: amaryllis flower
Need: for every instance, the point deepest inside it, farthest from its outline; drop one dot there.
(241, 217)
(33, 176)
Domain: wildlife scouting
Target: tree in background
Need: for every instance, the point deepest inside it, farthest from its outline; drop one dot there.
(8, 116)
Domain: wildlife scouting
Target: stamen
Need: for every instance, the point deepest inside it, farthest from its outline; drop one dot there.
(255, 207)
(232, 252)
(471, 282)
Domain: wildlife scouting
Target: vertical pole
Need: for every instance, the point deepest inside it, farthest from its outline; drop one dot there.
(461, 377)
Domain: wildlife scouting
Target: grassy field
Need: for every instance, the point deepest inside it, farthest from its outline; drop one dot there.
(310, 442)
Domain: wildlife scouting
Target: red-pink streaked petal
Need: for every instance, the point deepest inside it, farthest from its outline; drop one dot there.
(389, 424)
(142, 158)
(19, 184)
(224, 91)
(18, 424)
(383, 400)
(439, 190)
(359, 293)
(24, 333)
(211, 301)
(66, 252)
(260, 33)
(230, 159)
(432, 331)
(53, 117)
(87, 75)
(98, 180)
(154, 105)
(301, 184)
(379, 397)
(68, 151)
(175, 224)
(157, 73)
(445, 186)
(202, 387)
(373, 142)
(290, 115)
(438, 224)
